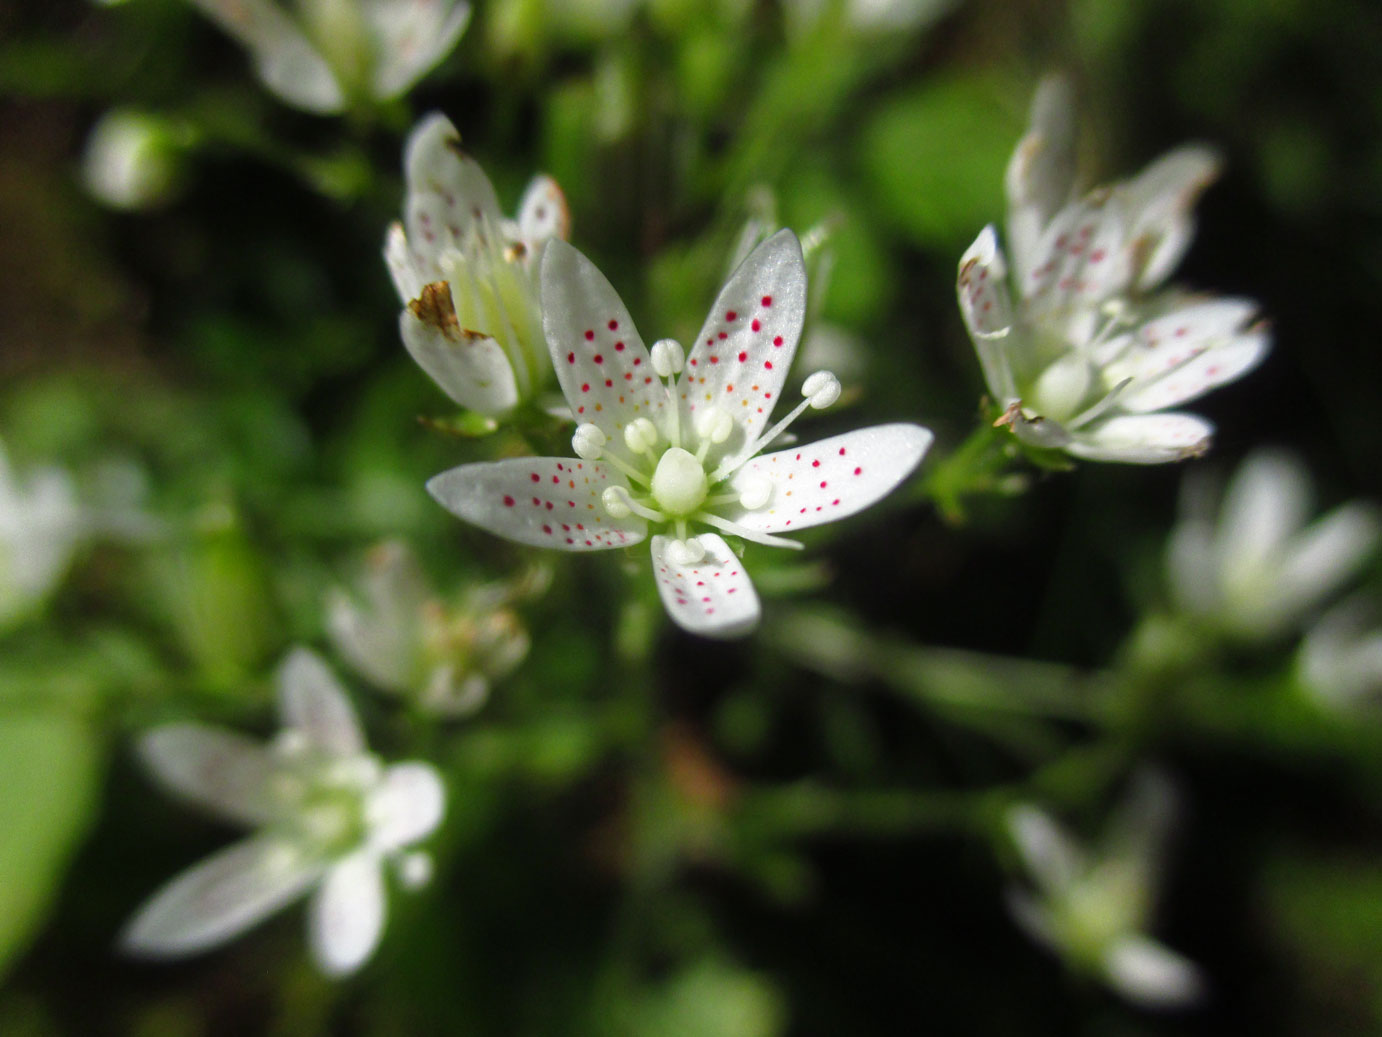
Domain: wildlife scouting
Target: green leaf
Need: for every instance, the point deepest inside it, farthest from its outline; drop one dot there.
(49, 771)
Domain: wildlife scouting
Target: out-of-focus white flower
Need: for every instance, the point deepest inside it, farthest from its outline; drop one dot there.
(1259, 571)
(328, 816)
(131, 159)
(1086, 351)
(325, 55)
(1340, 660)
(403, 639)
(1092, 905)
(473, 319)
(678, 441)
(41, 528)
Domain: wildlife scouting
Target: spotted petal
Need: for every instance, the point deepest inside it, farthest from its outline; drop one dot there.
(346, 916)
(470, 367)
(284, 59)
(1187, 352)
(1160, 203)
(410, 37)
(1041, 174)
(740, 359)
(542, 501)
(221, 771)
(712, 598)
(313, 703)
(220, 898)
(543, 213)
(1143, 438)
(601, 362)
(987, 309)
(1081, 259)
(830, 479)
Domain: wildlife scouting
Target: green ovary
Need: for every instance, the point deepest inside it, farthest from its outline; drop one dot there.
(679, 483)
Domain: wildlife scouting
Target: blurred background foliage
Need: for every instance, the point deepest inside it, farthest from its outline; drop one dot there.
(649, 834)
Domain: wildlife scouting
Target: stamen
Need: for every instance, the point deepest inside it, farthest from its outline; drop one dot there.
(632, 473)
(757, 489)
(667, 358)
(820, 389)
(714, 426)
(589, 441)
(640, 436)
(734, 529)
(685, 552)
(1100, 408)
(619, 503)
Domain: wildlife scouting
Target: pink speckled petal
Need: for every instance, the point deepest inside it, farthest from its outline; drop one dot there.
(1041, 174)
(828, 480)
(713, 598)
(449, 195)
(542, 501)
(986, 306)
(543, 213)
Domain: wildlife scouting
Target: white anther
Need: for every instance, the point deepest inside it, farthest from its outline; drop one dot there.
(757, 489)
(668, 357)
(714, 424)
(588, 442)
(414, 869)
(685, 552)
(616, 501)
(821, 388)
(640, 435)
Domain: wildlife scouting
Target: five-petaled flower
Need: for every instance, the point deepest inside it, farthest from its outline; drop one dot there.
(468, 276)
(337, 53)
(1089, 351)
(674, 441)
(1091, 905)
(328, 815)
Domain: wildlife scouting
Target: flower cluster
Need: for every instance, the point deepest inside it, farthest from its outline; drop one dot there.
(1086, 350)
(673, 442)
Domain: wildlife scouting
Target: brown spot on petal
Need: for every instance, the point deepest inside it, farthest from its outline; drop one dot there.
(435, 308)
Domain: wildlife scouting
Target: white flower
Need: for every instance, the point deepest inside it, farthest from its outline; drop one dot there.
(329, 54)
(676, 441)
(41, 527)
(328, 815)
(1087, 354)
(131, 159)
(1091, 906)
(397, 634)
(1259, 571)
(469, 276)
(1340, 660)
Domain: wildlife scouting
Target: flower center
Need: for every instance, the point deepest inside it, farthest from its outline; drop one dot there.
(679, 483)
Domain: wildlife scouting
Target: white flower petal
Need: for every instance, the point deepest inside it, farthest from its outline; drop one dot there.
(1323, 557)
(1192, 564)
(982, 287)
(312, 702)
(1159, 203)
(346, 916)
(221, 771)
(1040, 177)
(830, 479)
(739, 361)
(284, 59)
(543, 213)
(449, 196)
(1081, 260)
(1033, 917)
(1341, 658)
(542, 501)
(1136, 835)
(406, 805)
(1267, 502)
(1052, 857)
(712, 598)
(1143, 438)
(470, 367)
(379, 633)
(601, 362)
(410, 37)
(1184, 354)
(220, 898)
(1151, 975)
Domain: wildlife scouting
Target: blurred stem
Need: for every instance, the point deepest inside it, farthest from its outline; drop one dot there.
(978, 465)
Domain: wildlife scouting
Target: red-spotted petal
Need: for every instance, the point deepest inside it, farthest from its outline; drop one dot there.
(601, 362)
(828, 480)
(543, 213)
(1081, 259)
(1041, 174)
(449, 195)
(713, 597)
(543, 501)
(471, 368)
(986, 306)
(739, 361)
